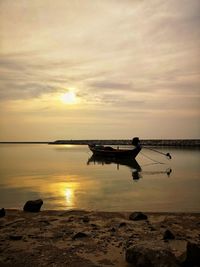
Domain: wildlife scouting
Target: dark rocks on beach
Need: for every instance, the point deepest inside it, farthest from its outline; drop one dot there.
(15, 237)
(168, 235)
(122, 224)
(80, 235)
(44, 222)
(86, 219)
(33, 205)
(94, 226)
(151, 256)
(151, 228)
(137, 216)
(2, 212)
(71, 219)
(192, 255)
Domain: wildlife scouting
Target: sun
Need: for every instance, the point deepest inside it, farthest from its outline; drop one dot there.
(68, 98)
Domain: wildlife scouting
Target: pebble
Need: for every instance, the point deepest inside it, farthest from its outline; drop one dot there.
(80, 235)
(15, 237)
(2, 212)
(86, 219)
(168, 235)
(122, 224)
(137, 216)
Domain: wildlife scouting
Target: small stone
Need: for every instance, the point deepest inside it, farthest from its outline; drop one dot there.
(151, 228)
(2, 212)
(122, 224)
(71, 219)
(192, 254)
(80, 235)
(168, 235)
(137, 216)
(33, 205)
(45, 222)
(15, 237)
(86, 219)
(94, 226)
(152, 256)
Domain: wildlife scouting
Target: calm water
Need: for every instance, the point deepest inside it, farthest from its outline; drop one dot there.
(67, 177)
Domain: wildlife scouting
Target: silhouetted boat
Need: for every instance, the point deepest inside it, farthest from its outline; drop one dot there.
(110, 152)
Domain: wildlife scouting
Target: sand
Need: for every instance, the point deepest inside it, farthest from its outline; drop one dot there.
(81, 238)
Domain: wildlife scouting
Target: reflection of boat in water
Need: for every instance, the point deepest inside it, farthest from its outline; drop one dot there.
(110, 152)
(128, 162)
(131, 163)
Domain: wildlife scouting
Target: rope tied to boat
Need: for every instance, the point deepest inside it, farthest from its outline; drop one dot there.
(165, 154)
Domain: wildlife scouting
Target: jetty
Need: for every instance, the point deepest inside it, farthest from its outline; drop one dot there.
(145, 142)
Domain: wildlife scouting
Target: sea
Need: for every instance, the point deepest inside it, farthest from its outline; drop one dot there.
(69, 177)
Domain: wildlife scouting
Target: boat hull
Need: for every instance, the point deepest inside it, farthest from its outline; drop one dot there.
(114, 153)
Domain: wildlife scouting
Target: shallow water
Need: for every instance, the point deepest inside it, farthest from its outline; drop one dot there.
(66, 177)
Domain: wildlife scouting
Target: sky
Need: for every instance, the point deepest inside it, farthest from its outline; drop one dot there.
(99, 69)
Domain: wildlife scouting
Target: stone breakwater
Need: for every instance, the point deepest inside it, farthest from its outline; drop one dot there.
(144, 142)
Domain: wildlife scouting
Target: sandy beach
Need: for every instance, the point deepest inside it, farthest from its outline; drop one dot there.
(88, 238)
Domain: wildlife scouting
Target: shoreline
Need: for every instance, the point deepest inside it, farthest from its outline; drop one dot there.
(90, 238)
(125, 213)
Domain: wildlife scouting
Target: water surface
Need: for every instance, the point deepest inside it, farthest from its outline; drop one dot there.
(66, 177)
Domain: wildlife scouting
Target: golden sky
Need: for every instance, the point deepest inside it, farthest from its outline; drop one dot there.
(99, 69)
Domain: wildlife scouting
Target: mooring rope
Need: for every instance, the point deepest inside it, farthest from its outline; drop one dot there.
(156, 161)
(165, 154)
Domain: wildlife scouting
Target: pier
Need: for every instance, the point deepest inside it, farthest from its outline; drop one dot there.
(145, 142)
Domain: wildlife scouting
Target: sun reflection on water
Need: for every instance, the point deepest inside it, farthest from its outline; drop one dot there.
(69, 196)
(66, 190)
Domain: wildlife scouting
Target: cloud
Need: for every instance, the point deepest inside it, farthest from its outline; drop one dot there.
(133, 56)
(136, 49)
(110, 85)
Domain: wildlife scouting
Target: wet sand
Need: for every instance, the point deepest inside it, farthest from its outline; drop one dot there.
(74, 238)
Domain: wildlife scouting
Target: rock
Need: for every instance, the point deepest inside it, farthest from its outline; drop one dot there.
(86, 219)
(151, 228)
(168, 235)
(2, 212)
(15, 237)
(122, 224)
(44, 222)
(80, 235)
(71, 219)
(150, 255)
(137, 216)
(95, 227)
(33, 205)
(192, 255)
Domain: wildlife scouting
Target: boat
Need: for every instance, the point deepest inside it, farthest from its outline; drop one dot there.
(107, 151)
